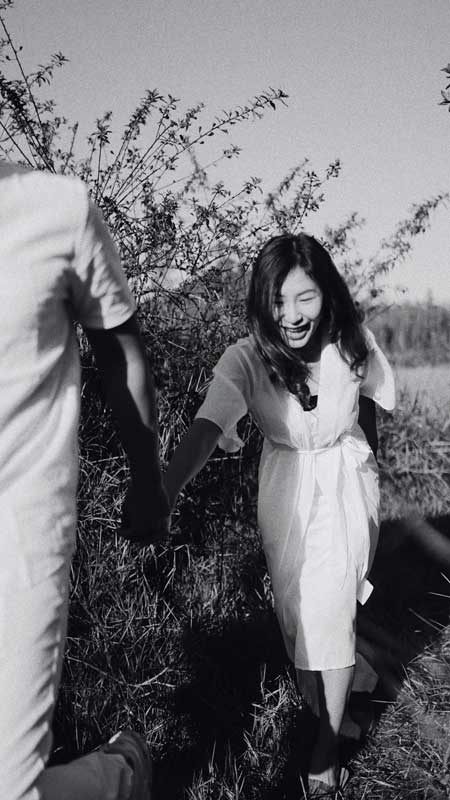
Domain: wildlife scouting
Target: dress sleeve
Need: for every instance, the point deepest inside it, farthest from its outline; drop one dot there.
(228, 396)
(100, 294)
(378, 382)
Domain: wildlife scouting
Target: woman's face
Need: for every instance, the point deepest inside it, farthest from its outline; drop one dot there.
(298, 308)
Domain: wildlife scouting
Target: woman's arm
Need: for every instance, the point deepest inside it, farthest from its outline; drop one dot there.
(190, 456)
(367, 420)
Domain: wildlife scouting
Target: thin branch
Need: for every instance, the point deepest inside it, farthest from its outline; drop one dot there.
(27, 159)
(40, 149)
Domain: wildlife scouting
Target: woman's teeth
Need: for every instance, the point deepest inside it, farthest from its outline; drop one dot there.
(298, 329)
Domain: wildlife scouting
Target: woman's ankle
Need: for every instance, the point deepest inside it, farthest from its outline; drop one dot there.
(328, 773)
(324, 765)
(329, 776)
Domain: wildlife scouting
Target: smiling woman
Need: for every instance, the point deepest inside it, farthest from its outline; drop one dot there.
(318, 482)
(297, 301)
(298, 310)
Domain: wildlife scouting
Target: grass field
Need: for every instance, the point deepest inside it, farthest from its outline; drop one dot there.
(430, 385)
(180, 642)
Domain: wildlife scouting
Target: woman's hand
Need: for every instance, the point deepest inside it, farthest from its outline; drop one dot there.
(171, 493)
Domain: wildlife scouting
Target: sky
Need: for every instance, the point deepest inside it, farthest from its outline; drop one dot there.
(363, 79)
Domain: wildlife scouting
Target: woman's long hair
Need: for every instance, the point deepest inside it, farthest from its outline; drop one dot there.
(340, 317)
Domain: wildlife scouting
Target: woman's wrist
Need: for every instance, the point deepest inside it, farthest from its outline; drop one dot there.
(172, 495)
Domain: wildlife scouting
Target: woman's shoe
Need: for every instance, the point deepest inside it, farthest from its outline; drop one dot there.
(318, 790)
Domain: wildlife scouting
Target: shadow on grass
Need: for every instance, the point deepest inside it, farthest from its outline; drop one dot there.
(411, 576)
(217, 703)
(231, 660)
(408, 609)
(406, 612)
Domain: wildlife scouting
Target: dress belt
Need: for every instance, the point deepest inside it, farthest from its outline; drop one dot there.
(344, 439)
(293, 449)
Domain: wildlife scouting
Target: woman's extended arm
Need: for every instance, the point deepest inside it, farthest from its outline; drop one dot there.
(367, 420)
(190, 456)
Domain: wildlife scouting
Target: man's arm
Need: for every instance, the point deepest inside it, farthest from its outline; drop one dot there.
(121, 360)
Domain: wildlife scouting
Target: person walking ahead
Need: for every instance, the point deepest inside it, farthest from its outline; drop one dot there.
(309, 373)
(58, 264)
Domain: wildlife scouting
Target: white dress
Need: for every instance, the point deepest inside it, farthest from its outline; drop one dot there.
(318, 499)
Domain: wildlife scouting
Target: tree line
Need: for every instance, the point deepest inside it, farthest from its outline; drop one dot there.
(414, 333)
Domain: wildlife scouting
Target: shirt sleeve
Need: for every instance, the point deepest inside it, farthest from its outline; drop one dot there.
(101, 297)
(378, 382)
(228, 397)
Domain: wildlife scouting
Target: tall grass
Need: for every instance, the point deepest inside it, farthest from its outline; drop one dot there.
(180, 642)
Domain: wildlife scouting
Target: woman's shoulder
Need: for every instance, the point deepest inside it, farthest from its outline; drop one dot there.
(243, 348)
(378, 381)
(369, 337)
(241, 357)
(246, 350)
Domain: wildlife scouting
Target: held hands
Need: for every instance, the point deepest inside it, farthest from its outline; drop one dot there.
(145, 515)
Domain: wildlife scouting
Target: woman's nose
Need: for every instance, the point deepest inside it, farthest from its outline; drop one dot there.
(291, 314)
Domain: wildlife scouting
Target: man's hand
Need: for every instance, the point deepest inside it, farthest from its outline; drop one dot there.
(145, 516)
